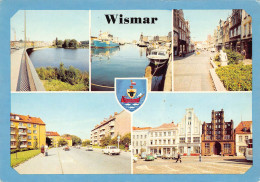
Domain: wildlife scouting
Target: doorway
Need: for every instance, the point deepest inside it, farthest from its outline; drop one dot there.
(217, 148)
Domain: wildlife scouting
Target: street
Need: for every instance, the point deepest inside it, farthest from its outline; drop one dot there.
(191, 165)
(191, 73)
(77, 161)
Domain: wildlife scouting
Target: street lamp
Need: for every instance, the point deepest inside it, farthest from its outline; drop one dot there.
(118, 140)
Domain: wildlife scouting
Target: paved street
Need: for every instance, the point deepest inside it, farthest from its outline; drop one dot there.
(191, 73)
(191, 165)
(16, 58)
(77, 161)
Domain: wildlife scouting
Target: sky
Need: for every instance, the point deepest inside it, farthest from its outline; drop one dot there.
(67, 113)
(165, 108)
(46, 25)
(203, 22)
(130, 32)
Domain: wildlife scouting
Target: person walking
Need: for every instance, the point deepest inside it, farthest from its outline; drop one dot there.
(42, 149)
(46, 150)
(179, 157)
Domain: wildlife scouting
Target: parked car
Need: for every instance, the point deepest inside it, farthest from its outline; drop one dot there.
(167, 156)
(149, 157)
(110, 150)
(78, 147)
(143, 155)
(89, 148)
(66, 148)
(135, 158)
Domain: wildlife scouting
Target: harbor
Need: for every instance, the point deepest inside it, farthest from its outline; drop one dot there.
(149, 57)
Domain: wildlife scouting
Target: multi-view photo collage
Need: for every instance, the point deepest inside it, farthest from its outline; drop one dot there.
(131, 91)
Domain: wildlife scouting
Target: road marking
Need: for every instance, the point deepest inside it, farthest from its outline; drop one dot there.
(60, 162)
(143, 167)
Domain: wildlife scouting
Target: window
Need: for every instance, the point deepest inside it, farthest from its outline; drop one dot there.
(144, 136)
(155, 142)
(227, 137)
(34, 131)
(133, 136)
(160, 134)
(155, 134)
(34, 137)
(242, 149)
(144, 143)
(173, 141)
(196, 139)
(29, 131)
(169, 133)
(20, 124)
(136, 143)
(196, 149)
(34, 125)
(240, 138)
(208, 137)
(169, 142)
(29, 137)
(141, 143)
(245, 30)
(151, 134)
(151, 142)
(29, 143)
(137, 136)
(160, 142)
(141, 137)
(227, 148)
(182, 140)
(29, 125)
(189, 139)
(181, 150)
(246, 138)
(164, 133)
(12, 123)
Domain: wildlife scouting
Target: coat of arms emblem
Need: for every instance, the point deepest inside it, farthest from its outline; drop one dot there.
(131, 92)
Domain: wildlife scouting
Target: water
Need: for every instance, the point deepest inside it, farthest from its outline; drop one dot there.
(78, 58)
(127, 61)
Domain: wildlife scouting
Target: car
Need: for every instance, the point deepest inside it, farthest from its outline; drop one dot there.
(158, 155)
(143, 155)
(149, 157)
(111, 150)
(78, 147)
(89, 148)
(167, 156)
(66, 148)
(135, 158)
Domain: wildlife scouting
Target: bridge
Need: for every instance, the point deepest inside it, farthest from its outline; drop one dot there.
(23, 74)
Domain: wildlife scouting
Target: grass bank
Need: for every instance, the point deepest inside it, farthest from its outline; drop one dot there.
(23, 156)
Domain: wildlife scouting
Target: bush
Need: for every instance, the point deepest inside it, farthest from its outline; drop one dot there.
(14, 151)
(233, 56)
(236, 77)
(217, 58)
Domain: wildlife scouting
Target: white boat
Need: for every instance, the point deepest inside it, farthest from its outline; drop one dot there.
(158, 56)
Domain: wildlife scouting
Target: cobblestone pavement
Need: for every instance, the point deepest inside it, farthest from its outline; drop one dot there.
(191, 165)
(191, 73)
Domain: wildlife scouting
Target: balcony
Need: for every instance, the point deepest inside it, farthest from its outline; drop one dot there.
(12, 126)
(12, 132)
(102, 133)
(23, 146)
(21, 126)
(13, 146)
(112, 123)
(23, 139)
(112, 130)
(22, 133)
(13, 139)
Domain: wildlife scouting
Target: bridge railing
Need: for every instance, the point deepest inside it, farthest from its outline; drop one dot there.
(34, 80)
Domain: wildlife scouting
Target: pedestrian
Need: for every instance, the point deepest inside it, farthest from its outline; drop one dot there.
(46, 150)
(179, 157)
(126, 147)
(200, 157)
(42, 149)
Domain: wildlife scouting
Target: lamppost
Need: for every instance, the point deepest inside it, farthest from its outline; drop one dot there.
(118, 140)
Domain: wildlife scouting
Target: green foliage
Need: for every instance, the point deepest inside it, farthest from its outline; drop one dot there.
(62, 142)
(105, 141)
(126, 139)
(236, 77)
(75, 140)
(74, 79)
(48, 141)
(233, 56)
(85, 143)
(36, 144)
(217, 57)
(19, 157)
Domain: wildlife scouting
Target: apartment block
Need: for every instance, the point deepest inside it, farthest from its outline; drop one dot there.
(30, 131)
(54, 136)
(118, 124)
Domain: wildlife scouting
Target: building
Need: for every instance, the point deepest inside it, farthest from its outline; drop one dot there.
(54, 136)
(69, 140)
(243, 133)
(189, 134)
(235, 30)
(246, 34)
(30, 131)
(140, 139)
(159, 140)
(218, 136)
(119, 124)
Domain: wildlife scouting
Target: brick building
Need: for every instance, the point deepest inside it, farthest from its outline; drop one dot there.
(218, 136)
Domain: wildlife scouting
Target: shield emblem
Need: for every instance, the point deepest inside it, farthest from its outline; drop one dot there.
(131, 92)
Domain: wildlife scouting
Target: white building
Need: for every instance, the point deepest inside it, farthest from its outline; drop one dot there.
(159, 140)
(243, 133)
(189, 134)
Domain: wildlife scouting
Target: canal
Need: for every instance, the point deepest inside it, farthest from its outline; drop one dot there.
(78, 58)
(126, 61)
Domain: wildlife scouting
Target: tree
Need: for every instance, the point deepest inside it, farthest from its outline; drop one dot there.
(61, 72)
(105, 141)
(126, 139)
(86, 142)
(48, 141)
(56, 41)
(66, 43)
(75, 140)
(62, 142)
(73, 43)
(18, 145)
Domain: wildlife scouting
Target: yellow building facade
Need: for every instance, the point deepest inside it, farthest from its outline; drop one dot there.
(54, 136)
(30, 131)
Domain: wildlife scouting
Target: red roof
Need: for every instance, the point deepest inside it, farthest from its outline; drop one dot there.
(141, 128)
(244, 127)
(166, 126)
(27, 119)
(67, 138)
(52, 133)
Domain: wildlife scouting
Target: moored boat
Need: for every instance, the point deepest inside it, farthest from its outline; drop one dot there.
(158, 56)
